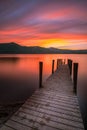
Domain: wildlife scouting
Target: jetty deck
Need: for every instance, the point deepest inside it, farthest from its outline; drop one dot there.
(53, 107)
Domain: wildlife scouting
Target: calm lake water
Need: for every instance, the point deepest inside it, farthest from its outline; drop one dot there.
(19, 76)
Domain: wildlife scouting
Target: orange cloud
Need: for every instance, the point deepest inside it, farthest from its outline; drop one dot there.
(44, 23)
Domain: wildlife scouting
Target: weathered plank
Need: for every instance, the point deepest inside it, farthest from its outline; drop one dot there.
(53, 113)
(50, 117)
(7, 128)
(54, 107)
(37, 103)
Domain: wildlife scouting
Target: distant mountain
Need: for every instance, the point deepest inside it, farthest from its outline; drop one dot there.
(13, 48)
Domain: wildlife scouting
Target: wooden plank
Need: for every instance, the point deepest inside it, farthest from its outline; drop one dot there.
(56, 97)
(49, 117)
(55, 100)
(57, 94)
(61, 115)
(25, 119)
(17, 126)
(7, 128)
(57, 103)
(58, 110)
(48, 106)
(36, 103)
(41, 126)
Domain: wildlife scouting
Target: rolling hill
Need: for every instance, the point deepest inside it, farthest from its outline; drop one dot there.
(14, 48)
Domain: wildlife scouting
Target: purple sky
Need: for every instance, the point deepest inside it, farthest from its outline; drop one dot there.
(48, 23)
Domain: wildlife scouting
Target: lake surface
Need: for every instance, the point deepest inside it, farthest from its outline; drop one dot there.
(19, 75)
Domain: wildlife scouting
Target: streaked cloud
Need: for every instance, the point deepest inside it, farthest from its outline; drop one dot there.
(42, 22)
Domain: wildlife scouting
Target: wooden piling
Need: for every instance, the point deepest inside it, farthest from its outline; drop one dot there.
(40, 74)
(60, 61)
(57, 63)
(52, 66)
(70, 65)
(75, 74)
(64, 61)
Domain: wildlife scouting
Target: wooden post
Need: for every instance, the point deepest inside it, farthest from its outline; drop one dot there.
(64, 61)
(57, 63)
(61, 61)
(40, 74)
(70, 66)
(69, 63)
(52, 66)
(75, 74)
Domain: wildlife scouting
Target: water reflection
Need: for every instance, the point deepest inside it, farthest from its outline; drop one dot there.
(17, 73)
(9, 59)
(16, 78)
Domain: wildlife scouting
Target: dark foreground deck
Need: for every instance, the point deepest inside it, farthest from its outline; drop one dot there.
(54, 107)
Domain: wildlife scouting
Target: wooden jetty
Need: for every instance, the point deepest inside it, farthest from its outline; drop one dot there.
(53, 107)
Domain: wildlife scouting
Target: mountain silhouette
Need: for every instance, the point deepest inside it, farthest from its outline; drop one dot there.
(14, 48)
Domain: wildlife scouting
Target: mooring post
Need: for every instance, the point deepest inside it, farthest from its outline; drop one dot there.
(68, 62)
(52, 66)
(57, 63)
(75, 74)
(64, 61)
(40, 74)
(70, 66)
(61, 61)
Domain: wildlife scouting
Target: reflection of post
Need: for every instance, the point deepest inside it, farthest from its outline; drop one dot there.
(52, 66)
(75, 74)
(40, 73)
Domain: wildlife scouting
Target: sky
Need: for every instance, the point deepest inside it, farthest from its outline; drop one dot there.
(46, 23)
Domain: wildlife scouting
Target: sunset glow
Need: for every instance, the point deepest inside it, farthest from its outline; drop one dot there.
(45, 23)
